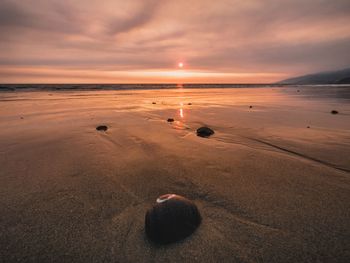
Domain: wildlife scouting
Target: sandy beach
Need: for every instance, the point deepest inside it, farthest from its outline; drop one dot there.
(272, 184)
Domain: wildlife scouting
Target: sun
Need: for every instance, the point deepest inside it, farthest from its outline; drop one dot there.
(180, 64)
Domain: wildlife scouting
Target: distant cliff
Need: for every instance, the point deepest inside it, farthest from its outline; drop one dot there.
(330, 77)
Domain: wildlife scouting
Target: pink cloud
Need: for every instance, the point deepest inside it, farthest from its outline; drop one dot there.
(265, 37)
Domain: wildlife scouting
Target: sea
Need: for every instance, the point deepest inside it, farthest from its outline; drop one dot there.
(73, 87)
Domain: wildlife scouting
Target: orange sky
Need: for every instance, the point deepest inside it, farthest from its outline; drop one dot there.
(142, 41)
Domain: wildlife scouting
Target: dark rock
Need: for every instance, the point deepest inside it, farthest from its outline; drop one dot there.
(308, 127)
(189, 103)
(22, 118)
(250, 106)
(298, 90)
(154, 102)
(334, 112)
(170, 120)
(204, 132)
(102, 128)
(171, 219)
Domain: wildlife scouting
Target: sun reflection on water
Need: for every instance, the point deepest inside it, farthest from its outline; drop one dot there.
(181, 111)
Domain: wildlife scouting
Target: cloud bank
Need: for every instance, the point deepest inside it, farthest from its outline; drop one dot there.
(272, 38)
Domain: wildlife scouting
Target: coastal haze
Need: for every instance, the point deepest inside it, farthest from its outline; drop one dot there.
(103, 105)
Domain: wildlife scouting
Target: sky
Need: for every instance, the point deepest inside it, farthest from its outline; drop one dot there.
(143, 41)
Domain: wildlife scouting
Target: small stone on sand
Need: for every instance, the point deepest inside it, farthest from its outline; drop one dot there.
(308, 127)
(334, 112)
(204, 132)
(102, 128)
(250, 106)
(154, 102)
(170, 120)
(171, 219)
(189, 103)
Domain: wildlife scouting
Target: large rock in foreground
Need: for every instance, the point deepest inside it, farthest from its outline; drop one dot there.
(171, 219)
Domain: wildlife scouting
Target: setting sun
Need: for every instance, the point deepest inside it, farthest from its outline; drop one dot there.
(180, 65)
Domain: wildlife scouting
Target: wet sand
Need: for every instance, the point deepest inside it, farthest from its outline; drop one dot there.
(269, 189)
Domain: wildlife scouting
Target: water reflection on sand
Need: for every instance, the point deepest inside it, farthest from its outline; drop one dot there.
(266, 185)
